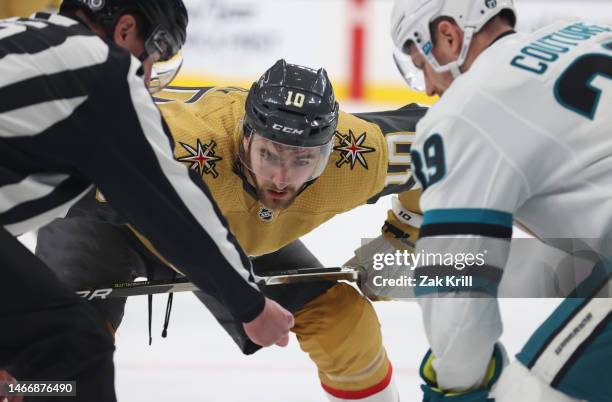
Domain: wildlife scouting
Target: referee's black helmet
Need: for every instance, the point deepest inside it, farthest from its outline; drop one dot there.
(165, 29)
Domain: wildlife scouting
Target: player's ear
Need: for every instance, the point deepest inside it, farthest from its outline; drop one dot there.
(126, 31)
(245, 144)
(449, 37)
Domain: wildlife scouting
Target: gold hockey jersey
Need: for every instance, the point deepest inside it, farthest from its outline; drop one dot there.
(24, 8)
(371, 158)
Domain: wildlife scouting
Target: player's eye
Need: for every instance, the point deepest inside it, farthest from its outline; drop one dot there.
(267, 156)
(303, 162)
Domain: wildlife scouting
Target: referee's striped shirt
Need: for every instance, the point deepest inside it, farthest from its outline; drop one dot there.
(74, 112)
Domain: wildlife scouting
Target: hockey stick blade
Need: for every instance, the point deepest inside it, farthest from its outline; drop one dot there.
(125, 289)
(302, 275)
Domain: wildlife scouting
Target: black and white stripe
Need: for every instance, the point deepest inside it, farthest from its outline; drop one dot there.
(74, 112)
(42, 63)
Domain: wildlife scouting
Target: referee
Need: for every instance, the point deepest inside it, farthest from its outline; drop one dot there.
(74, 113)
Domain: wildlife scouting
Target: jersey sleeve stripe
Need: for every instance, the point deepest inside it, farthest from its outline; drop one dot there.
(55, 18)
(468, 215)
(453, 229)
(480, 222)
(23, 43)
(43, 60)
(37, 221)
(34, 119)
(32, 187)
(63, 194)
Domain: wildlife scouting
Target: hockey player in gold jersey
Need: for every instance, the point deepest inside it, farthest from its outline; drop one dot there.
(279, 160)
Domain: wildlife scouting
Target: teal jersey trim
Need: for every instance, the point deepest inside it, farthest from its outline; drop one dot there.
(483, 216)
(476, 285)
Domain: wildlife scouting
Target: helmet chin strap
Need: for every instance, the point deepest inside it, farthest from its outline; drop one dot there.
(455, 70)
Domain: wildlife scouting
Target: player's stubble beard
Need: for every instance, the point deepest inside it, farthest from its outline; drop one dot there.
(262, 196)
(262, 187)
(273, 203)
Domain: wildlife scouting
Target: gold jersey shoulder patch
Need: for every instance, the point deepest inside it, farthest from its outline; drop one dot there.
(352, 149)
(201, 157)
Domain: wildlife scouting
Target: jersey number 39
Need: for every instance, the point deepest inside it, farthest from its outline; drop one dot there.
(435, 164)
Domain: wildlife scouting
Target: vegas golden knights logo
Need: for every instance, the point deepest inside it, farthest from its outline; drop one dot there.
(201, 158)
(351, 149)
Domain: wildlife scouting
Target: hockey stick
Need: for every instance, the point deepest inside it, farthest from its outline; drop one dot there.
(300, 275)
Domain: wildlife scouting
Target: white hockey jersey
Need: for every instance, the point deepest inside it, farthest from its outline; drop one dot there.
(526, 133)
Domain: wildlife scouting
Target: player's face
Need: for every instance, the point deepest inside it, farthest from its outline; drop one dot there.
(435, 83)
(280, 171)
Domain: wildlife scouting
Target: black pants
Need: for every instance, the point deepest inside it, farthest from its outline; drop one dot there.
(47, 332)
(92, 248)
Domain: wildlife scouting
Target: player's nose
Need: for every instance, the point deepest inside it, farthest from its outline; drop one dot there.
(430, 88)
(147, 66)
(280, 178)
